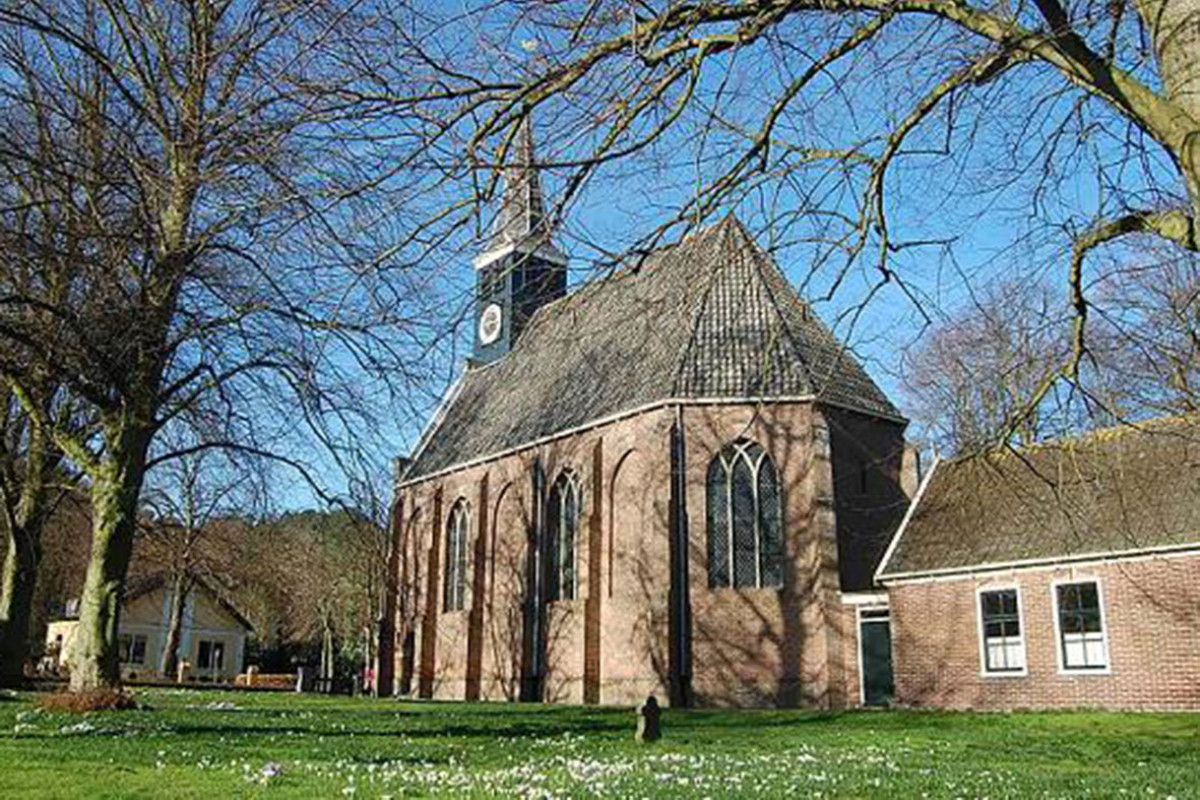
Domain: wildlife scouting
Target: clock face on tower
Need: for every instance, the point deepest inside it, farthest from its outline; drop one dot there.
(490, 323)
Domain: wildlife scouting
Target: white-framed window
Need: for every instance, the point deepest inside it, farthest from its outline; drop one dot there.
(1079, 621)
(1001, 633)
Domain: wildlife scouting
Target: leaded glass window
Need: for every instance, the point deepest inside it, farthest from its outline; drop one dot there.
(745, 519)
(770, 525)
(562, 517)
(1003, 645)
(457, 529)
(1081, 626)
(718, 520)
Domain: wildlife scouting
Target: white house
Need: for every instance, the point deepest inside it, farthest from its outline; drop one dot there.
(212, 641)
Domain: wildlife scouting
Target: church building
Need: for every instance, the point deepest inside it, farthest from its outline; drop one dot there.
(673, 480)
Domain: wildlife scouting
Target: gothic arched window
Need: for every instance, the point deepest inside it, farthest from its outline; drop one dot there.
(562, 525)
(745, 525)
(457, 529)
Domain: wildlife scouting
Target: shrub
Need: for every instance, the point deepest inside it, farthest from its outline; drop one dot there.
(81, 702)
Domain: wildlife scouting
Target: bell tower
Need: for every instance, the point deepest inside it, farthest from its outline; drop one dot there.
(520, 269)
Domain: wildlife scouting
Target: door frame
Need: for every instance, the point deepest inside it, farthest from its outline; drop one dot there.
(871, 613)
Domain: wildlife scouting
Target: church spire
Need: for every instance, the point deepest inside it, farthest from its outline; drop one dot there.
(519, 269)
(521, 222)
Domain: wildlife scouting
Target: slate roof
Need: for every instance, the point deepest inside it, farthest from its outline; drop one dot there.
(711, 317)
(1116, 490)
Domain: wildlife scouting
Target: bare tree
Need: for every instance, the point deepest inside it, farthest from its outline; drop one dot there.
(186, 498)
(224, 244)
(969, 378)
(33, 475)
(337, 583)
(31, 484)
(1148, 349)
(834, 117)
(308, 579)
(967, 381)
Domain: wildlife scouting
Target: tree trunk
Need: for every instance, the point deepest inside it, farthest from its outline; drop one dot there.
(327, 657)
(180, 588)
(16, 603)
(24, 556)
(116, 488)
(1174, 27)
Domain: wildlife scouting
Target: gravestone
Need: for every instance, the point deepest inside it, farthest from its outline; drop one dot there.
(648, 714)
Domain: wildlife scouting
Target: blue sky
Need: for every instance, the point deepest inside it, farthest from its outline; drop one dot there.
(993, 185)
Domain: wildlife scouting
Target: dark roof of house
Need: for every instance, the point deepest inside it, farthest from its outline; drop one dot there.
(1129, 488)
(712, 317)
(144, 584)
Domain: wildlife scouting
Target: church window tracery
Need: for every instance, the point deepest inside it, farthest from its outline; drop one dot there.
(562, 516)
(745, 539)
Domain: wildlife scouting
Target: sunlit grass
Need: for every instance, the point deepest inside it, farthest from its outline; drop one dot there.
(220, 744)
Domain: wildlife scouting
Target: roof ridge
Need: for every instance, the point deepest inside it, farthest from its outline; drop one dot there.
(1151, 426)
(764, 261)
(160, 577)
(720, 229)
(737, 239)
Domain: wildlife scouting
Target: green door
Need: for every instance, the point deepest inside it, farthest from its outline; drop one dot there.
(875, 639)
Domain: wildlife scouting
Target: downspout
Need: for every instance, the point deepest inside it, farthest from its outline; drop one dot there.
(531, 684)
(680, 623)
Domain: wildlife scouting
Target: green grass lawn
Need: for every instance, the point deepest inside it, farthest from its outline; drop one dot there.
(219, 744)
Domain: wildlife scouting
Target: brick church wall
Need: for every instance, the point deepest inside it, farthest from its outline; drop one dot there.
(763, 646)
(636, 578)
(611, 644)
(631, 610)
(850, 658)
(504, 585)
(1151, 612)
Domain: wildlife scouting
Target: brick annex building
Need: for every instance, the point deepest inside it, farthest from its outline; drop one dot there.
(1066, 574)
(675, 480)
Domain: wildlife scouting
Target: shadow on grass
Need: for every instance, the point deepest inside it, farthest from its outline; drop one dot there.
(448, 731)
